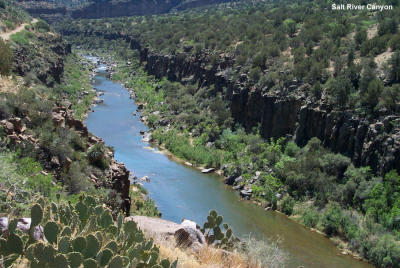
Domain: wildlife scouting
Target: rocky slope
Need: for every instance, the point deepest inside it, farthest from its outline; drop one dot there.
(42, 60)
(46, 62)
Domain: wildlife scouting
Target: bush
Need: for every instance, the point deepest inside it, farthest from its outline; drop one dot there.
(42, 26)
(22, 38)
(9, 25)
(310, 217)
(331, 219)
(287, 205)
(97, 157)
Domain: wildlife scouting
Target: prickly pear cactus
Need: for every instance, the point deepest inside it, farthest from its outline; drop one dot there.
(214, 234)
(82, 235)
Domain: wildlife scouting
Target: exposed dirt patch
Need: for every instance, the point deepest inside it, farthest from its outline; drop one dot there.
(6, 35)
(8, 85)
(383, 58)
(372, 32)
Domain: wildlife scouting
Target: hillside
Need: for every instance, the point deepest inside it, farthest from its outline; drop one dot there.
(58, 10)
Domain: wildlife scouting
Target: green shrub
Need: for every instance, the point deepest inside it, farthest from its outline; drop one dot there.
(42, 26)
(310, 217)
(22, 38)
(287, 205)
(97, 157)
(331, 219)
(9, 25)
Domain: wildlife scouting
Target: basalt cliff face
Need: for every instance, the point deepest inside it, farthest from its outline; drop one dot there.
(100, 9)
(48, 11)
(374, 142)
(289, 112)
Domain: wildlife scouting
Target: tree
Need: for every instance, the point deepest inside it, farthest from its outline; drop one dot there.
(291, 28)
(361, 36)
(390, 98)
(5, 58)
(395, 67)
(368, 75)
(371, 97)
(341, 88)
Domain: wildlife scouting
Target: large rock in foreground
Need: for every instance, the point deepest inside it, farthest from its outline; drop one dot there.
(184, 235)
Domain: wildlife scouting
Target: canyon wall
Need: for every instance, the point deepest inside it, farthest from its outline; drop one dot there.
(368, 142)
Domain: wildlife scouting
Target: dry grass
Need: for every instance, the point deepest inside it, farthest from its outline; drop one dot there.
(254, 254)
(205, 257)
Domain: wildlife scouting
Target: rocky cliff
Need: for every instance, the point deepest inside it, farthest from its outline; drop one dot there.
(367, 141)
(286, 113)
(48, 11)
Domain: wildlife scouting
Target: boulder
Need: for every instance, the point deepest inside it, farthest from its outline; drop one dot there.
(146, 137)
(55, 162)
(229, 180)
(98, 101)
(145, 179)
(58, 119)
(207, 170)
(8, 126)
(246, 193)
(19, 126)
(186, 234)
(24, 225)
(238, 180)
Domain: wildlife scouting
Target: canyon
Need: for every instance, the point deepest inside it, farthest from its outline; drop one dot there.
(289, 113)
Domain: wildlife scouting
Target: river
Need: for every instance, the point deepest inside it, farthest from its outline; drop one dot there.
(184, 192)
